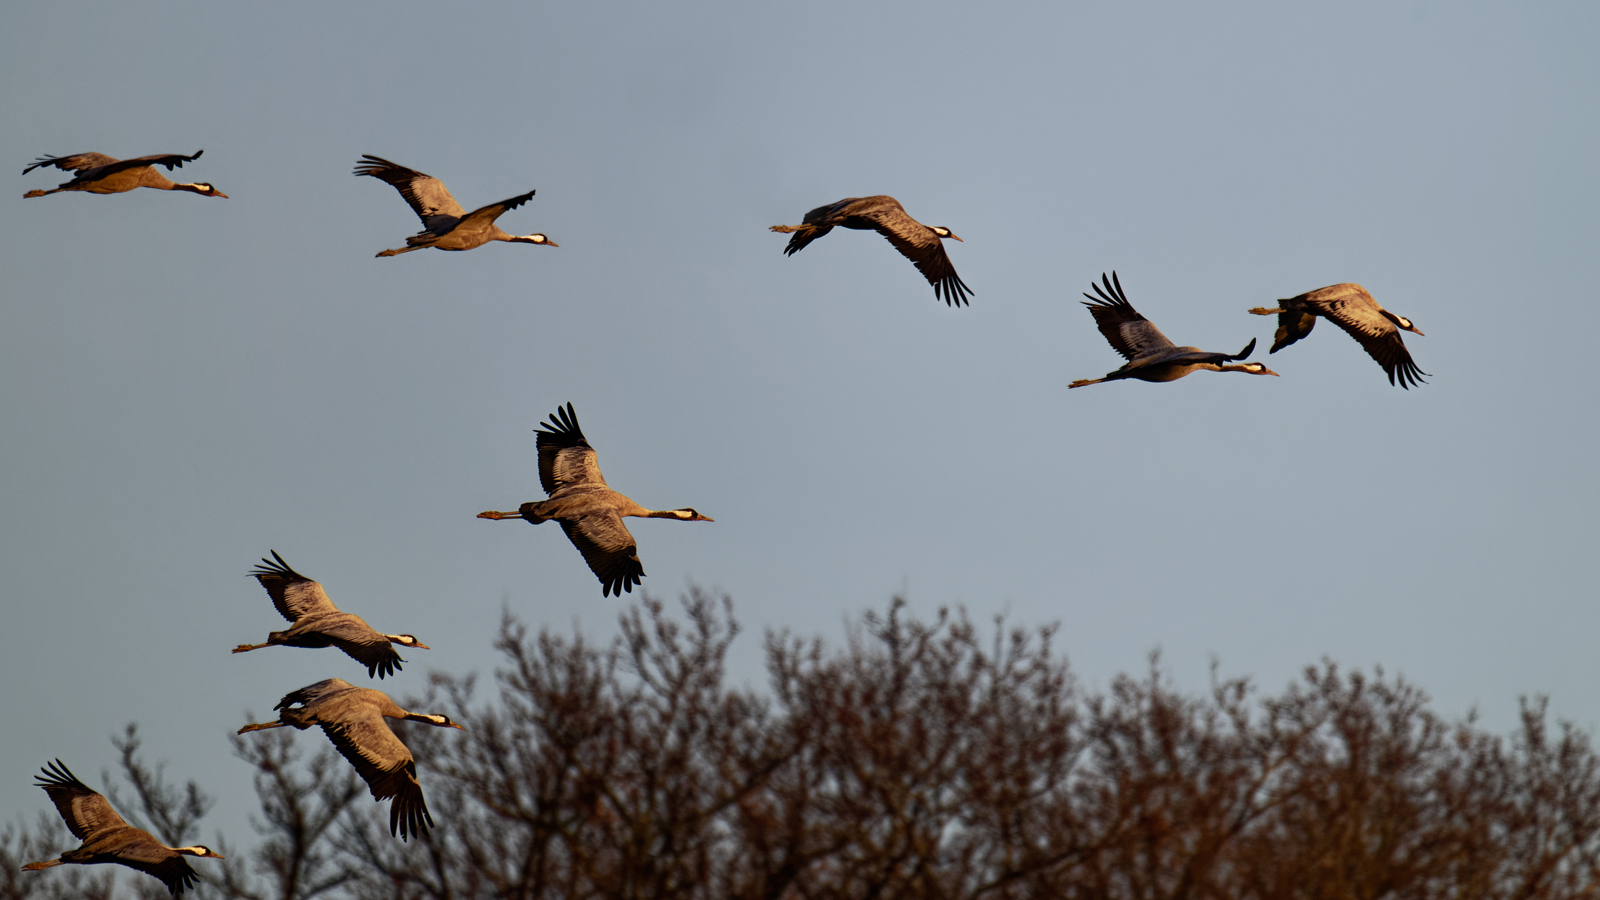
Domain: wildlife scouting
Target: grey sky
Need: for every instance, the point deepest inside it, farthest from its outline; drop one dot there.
(187, 383)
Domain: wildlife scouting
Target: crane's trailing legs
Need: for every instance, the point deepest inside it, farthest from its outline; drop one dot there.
(261, 727)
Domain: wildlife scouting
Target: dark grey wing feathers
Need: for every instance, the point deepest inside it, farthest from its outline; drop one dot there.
(1379, 337)
(799, 239)
(609, 549)
(170, 160)
(1129, 333)
(86, 811)
(388, 768)
(311, 694)
(1354, 310)
(155, 859)
(427, 195)
(1293, 324)
(364, 644)
(565, 457)
(294, 595)
(77, 162)
(918, 243)
(95, 166)
(495, 210)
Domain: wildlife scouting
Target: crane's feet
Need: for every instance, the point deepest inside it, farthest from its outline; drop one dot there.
(491, 514)
(1262, 311)
(245, 647)
(260, 727)
(26, 196)
(34, 867)
(785, 229)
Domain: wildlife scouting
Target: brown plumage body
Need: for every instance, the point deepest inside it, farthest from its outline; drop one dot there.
(1150, 354)
(102, 174)
(1350, 307)
(589, 511)
(318, 623)
(446, 225)
(922, 244)
(353, 719)
(108, 839)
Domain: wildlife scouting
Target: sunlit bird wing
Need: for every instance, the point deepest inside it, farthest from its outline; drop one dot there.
(1353, 309)
(565, 457)
(609, 549)
(294, 595)
(427, 195)
(1129, 333)
(387, 767)
(84, 809)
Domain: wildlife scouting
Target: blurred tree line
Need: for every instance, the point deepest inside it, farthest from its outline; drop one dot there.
(921, 759)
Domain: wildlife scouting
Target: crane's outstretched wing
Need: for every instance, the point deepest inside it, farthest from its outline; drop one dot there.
(1353, 309)
(385, 764)
(84, 809)
(1293, 324)
(1188, 356)
(93, 167)
(565, 457)
(492, 211)
(1129, 333)
(918, 243)
(365, 645)
(312, 693)
(77, 162)
(293, 594)
(609, 549)
(153, 859)
(428, 196)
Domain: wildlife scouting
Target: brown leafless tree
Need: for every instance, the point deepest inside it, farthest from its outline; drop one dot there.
(922, 759)
(918, 759)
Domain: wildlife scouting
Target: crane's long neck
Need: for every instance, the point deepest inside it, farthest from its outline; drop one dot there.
(153, 179)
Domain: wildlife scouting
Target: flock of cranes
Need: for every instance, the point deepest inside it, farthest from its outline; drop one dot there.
(588, 510)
